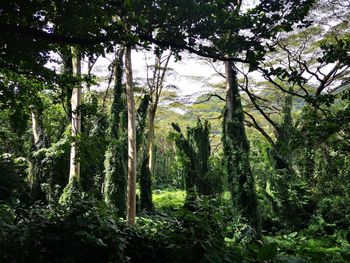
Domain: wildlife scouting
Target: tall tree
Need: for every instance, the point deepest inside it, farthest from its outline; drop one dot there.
(236, 150)
(115, 183)
(155, 85)
(74, 172)
(132, 154)
(37, 172)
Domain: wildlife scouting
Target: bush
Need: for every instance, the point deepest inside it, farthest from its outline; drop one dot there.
(13, 187)
(169, 200)
(81, 232)
(195, 235)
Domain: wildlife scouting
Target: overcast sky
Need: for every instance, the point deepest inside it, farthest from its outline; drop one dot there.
(191, 75)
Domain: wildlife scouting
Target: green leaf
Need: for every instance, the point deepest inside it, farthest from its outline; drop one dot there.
(267, 252)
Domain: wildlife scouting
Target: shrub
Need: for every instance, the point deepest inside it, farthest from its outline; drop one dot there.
(192, 235)
(81, 232)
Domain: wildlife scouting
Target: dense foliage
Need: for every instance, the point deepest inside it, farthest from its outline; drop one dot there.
(262, 173)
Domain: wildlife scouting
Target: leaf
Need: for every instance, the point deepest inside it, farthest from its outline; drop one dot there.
(294, 234)
(267, 252)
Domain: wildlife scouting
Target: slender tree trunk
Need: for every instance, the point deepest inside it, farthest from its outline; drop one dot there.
(39, 136)
(35, 126)
(150, 139)
(37, 172)
(74, 171)
(131, 194)
(230, 79)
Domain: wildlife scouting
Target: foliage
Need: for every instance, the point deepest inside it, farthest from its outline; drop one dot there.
(13, 187)
(292, 171)
(84, 231)
(115, 164)
(146, 203)
(189, 236)
(299, 246)
(241, 181)
(194, 153)
(168, 199)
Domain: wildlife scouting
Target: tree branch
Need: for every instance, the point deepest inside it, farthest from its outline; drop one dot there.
(210, 96)
(52, 37)
(258, 127)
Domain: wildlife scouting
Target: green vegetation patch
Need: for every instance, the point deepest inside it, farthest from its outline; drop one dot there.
(169, 199)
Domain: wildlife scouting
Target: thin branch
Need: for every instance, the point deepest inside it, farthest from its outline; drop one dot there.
(215, 69)
(253, 100)
(113, 68)
(210, 96)
(326, 79)
(171, 44)
(258, 127)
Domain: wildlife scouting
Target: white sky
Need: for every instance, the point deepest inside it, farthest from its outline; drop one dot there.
(190, 75)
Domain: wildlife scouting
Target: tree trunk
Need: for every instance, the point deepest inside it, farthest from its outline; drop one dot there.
(156, 86)
(74, 171)
(35, 126)
(131, 194)
(115, 182)
(37, 171)
(146, 172)
(230, 79)
(236, 150)
(150, 139)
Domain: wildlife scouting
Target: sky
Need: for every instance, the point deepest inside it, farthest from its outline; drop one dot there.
(191, 75)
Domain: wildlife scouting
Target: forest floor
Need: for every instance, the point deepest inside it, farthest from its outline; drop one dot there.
(298, 246)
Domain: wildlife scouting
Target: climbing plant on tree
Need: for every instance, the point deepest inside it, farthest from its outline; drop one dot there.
(115, 181)
(194, 150)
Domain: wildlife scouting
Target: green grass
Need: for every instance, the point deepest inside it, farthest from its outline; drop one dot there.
(168, 199)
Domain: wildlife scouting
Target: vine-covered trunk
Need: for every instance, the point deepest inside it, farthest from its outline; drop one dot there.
(115, 183)
(280, 154)
(74, 171)
(146, 170)
(131, 193)
(236, 150)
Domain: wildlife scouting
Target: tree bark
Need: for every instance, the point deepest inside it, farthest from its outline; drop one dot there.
(74, 171)
(236, 150)
(115, 181)
(150, 139)
(146, 171)
(37, 171)
(35, 126)
(131, 194)
(230, 77)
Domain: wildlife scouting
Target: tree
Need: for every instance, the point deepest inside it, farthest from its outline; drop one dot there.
(37, 174)
(74, 172)
(132, 155)
(194, 152)
(236, 152)
(155, 85)
(115, 182)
